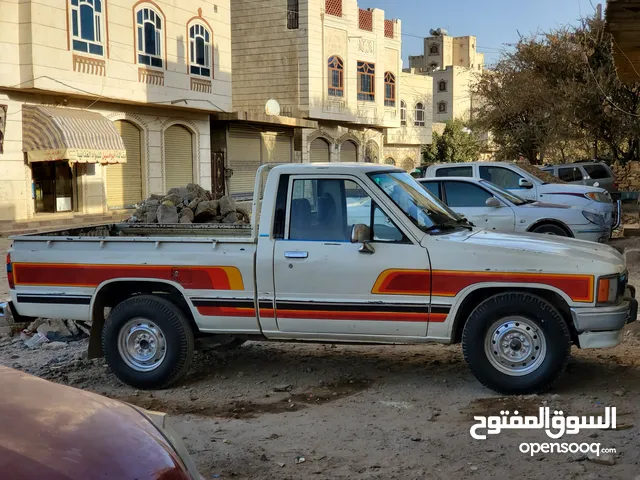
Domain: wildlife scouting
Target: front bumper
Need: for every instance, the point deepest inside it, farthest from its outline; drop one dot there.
(600, 327)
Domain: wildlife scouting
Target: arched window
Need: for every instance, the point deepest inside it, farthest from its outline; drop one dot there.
(420, 114)
(433, 66)
(150, 36)
(389, 89)
(366, 81)
(86, 25)
(403, 113)
(199, 50)
(336, 76)
(389, 161)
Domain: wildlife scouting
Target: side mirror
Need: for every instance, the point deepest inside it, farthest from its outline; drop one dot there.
(361, 233)
(524, 183)
(493, 202)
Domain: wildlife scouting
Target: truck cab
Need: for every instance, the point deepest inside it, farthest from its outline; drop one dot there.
(335, 253)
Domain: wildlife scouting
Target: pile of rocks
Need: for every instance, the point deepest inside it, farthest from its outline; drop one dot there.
(190, 204)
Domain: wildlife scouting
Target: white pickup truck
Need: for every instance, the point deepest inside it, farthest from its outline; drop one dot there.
(311, 267)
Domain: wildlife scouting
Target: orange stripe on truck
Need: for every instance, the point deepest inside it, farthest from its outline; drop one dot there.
(81, 275)
(448, 283)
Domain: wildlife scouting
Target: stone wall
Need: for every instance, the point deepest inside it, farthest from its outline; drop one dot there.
(627, 176)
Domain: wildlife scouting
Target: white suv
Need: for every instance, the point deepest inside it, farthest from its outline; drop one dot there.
(531, 183)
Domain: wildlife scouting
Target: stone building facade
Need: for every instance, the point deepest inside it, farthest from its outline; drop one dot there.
(107, 101)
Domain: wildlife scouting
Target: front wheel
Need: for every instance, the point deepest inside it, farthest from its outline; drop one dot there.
(551, 229)
(516, 343)
(148, 342)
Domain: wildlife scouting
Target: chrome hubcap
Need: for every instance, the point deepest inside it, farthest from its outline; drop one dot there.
(515, 346)
(142, 345)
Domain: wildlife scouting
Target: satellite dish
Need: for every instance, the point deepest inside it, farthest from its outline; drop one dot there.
(272, 108)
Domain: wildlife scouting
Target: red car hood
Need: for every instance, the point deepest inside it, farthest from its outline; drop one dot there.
(55, 432)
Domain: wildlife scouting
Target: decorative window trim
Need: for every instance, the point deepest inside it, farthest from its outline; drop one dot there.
(368, 70)
(335, 65)
(199, 20)
(434, 49)
(140, 5)
(442, 107)
(440, 84)
(389, 89)
(403, 113)
(420, 114)
(100, 27)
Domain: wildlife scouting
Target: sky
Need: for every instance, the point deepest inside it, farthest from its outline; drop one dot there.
(494, 22)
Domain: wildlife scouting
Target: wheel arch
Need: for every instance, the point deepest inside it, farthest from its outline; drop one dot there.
(112, 292)
(472, 297)
(551, 221)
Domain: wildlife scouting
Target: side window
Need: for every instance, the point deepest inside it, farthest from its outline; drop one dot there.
(570, 174)
(596, 171)
(433, 188)
(384, 229)
(503, 177)
(461, 194)
(455, 172)
(325, 210)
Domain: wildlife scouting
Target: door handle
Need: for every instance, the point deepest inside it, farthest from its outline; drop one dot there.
(296, 254)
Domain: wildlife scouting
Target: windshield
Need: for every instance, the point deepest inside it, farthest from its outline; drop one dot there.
(516, 200)
(420, 206)
(544, 177)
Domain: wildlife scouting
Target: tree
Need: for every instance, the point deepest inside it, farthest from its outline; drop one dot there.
(456, 144)
(556, 96)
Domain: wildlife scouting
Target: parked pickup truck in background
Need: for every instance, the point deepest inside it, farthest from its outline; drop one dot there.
(531, 183)
(312, 268)
(488, 206)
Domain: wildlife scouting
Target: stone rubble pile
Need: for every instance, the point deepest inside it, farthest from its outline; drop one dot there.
(190, 204)
(627, 176)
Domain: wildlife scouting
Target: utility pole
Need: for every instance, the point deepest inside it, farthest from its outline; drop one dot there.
(599, 12)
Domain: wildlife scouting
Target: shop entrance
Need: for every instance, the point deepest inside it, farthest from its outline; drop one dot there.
(53, 185)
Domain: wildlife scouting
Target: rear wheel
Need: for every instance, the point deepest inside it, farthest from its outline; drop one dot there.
(551, 229)
(148, 342)
(516, 343)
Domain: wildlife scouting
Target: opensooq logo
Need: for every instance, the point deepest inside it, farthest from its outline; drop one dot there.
(555, 426)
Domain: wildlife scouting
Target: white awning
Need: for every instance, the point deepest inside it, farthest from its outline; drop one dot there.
(79, 136)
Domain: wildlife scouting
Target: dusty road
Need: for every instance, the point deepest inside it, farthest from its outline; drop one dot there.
(391, 412)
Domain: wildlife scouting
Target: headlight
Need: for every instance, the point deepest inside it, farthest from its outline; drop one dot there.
(608, 289)
(594, 218)
(598, 197)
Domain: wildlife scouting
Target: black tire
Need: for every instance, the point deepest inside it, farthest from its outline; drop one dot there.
(551, 229)
(175, 332)
(535, 311)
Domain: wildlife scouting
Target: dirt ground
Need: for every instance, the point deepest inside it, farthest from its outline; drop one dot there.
(379, 412)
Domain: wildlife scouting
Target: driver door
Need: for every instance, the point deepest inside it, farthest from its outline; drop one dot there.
(470, 200)
(325, 286)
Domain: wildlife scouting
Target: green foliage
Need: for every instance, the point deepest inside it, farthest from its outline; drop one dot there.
(456, 144)
(556, 97)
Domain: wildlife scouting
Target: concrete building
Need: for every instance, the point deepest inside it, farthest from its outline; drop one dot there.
(327, 61)
(403, 145)
(107, 101)
(453, 63)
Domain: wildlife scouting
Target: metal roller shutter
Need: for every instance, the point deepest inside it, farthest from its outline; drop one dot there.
(319, 151)
(124, 180)
(178, 157)
(283, 149)
(348, 152)
(244, 153)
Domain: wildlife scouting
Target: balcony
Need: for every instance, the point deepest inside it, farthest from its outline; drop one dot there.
(333, 7)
